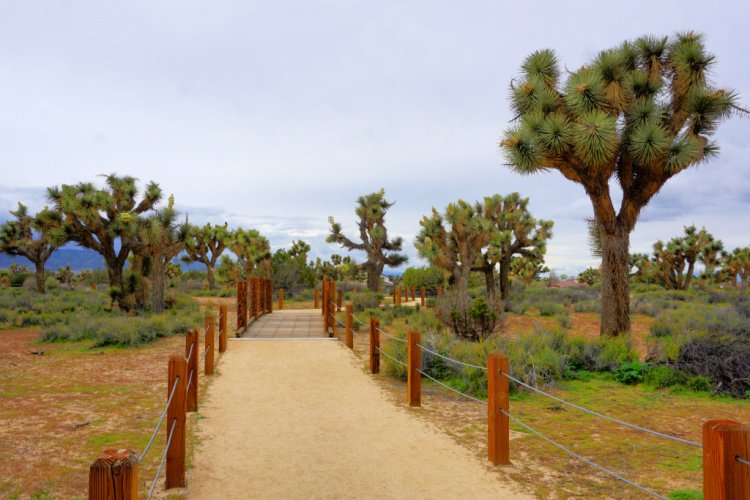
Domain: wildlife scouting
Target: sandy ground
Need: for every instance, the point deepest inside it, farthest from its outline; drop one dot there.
(300, 419)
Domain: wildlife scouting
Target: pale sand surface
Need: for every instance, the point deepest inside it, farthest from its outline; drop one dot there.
(300, 419)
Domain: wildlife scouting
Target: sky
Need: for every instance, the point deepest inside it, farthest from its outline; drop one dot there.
(276, 115)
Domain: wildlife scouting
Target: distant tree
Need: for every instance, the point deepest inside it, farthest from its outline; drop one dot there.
(299, 250)
(251, 249)
(710, 253)
(380, 250)
(736, 266)
(454, 241)
(675, 260)
(641, 268)
(228, 270)
(34, 237)
(589, 276)
(290, 271)
(513, 231)
(205, 245)
(641, 113)
(105, 219)
(527, 269)
(428, 277)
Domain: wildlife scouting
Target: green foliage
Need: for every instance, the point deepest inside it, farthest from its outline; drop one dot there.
(366, 300)
(631, 372)
(550, 309)
(428, 277)
(685, 495)
(664, 376)
(290, 271)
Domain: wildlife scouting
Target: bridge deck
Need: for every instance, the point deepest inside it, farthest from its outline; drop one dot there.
(287, 324)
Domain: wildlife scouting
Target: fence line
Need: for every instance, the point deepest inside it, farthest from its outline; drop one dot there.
(163, 459)
(158, 424)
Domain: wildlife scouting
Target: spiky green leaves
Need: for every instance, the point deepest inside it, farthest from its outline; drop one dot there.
(709, 107)
(648, 143)
(542, 65)
(534, 96)
(555, 135)
(584, 92)
(595, 138)
(681, 154)
(522, 151)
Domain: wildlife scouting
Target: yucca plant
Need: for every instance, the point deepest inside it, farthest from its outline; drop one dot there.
(381, 251)
(205, 245)
(639, 113)
(251, 249)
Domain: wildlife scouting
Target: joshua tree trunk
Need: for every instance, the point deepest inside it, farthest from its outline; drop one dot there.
(489, 281)
(158, 281)
(373, 277)
(615, 284)
(211, 278)
(40, 278)
(504, 278)
(689, 275)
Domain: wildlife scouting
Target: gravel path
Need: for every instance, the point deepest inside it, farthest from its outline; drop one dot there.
(301, 419)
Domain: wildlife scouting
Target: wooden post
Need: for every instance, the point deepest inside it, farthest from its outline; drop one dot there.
(398, 295)
(256, 297)
(222, 328)
(177, 371)
(270, 295)
(191, 403)
(339, 299)
(498, 428)
(114, 475)
(316, 299)
(241, 305)
(349, 321)
(208, 368)
(413, 376)
(281, 299)
(332, 315)
(395, 291)
(439, 291)
(374, 345)
(724, 477)
(421, 297)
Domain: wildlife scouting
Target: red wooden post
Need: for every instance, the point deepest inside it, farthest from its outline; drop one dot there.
(208, 368)
(422, 297)
(498, 428)
(175, 466)
(114, 475)
(256, 297)
(270, 295)
(316, 299)
(724, 477)
(332, 312)
(439, 291)
(414, 377)
(349, 321)
(374, 345)
(281, 299)
(339, 299)
(241, 305)
(395, 291)
(191, 338)
(323, 310)
(222, 328)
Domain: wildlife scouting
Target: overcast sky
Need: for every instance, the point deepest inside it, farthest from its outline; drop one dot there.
(275, 115)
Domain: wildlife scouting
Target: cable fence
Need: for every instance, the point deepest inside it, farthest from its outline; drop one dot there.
(163, 459)
(161, 419)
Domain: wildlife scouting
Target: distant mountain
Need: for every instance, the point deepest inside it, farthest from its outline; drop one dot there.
(77, 258)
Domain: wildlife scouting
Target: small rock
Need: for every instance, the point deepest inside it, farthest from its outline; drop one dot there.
(37, 353)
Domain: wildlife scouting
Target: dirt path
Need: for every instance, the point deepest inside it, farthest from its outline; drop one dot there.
(300, 419)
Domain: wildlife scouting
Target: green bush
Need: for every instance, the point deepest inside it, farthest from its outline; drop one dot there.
(551, 309)
(631, 372)
(365, 300)
(699, 383)
(615, 351)
(664, 376)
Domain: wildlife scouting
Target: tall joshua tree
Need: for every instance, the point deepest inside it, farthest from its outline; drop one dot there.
(205, 245)
(736, 266)
(454, 241)
(514, 231)
(381, 251)
(250, 247)
(640, 113)
(34, 237)
(105, 219)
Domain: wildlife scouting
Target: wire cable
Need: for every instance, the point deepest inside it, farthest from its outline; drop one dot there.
(579, 457)
(190, 353)
(389, 335)
(358, 321)
(742, 460)
(452, 389)
(161, 419)
(190, 379)
(163, 458)
(390, 357)
(605, 417)
(453, 360)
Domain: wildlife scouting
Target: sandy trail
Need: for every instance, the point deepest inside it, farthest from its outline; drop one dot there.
(300, 419)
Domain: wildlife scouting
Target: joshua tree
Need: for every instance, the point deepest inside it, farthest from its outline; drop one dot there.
(105, 220)
(380, 250)
(454, 242)
(589, 276)
(526, 269)
(736, 264)
(676, 260)
(161, 240)
(641, 113)
(206, 244)
(513, 232)
(711, 249)
(251, 248)
(35, 238)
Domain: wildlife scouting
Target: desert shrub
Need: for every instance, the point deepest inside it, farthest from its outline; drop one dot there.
(614, 352)
(469, 318)
(725, 359)
(664, 376)
(699, 383)
(588, 306)
(517, 307)
(550, 309)
(631, 372)
(365, 300)
(563, 319)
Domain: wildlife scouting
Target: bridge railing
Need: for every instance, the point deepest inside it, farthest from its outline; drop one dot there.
(254, 299)
(725, 444)
(114, 475)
